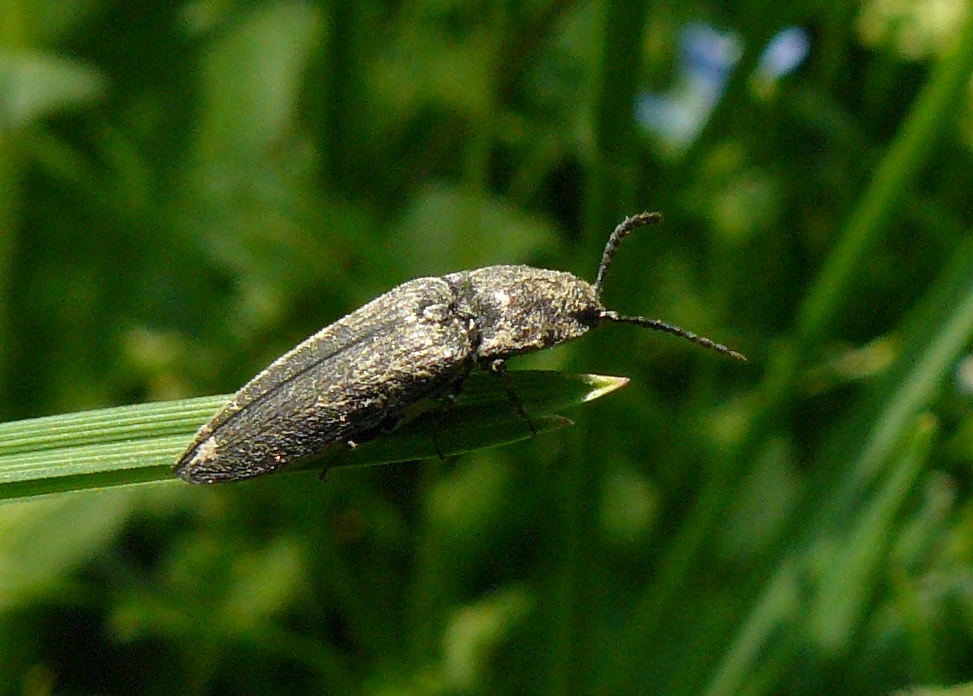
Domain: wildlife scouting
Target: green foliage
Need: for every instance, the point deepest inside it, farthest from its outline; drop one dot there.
(188, 190)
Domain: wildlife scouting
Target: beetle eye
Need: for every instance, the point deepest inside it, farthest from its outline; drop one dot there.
(589, 317)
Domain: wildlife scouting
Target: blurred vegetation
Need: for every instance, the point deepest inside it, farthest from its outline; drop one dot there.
(189, 189)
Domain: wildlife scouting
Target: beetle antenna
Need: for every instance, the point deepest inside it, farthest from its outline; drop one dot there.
(626, 226)
(659, 325)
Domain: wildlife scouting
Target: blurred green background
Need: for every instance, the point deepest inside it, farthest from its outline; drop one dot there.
(188, 189)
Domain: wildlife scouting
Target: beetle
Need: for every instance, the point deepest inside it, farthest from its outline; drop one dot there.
(364, 373)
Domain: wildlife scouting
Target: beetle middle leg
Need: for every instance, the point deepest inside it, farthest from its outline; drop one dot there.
(499, 368)
(445, 401)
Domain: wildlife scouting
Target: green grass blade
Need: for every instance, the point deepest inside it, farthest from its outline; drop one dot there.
(915, 143)
(138, 444)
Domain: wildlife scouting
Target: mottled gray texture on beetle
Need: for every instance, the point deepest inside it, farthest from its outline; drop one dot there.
(415, 342)
(369, 370)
